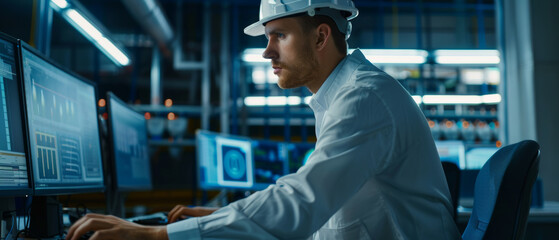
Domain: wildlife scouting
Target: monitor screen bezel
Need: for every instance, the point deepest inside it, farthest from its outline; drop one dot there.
(111, 163)
(19, 79)
(58, 190)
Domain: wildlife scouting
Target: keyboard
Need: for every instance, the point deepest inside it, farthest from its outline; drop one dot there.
(156, 219)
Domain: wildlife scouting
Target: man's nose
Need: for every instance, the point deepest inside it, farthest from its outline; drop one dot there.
(269, 53)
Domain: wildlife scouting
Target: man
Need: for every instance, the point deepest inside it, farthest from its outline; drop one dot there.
(375, 172)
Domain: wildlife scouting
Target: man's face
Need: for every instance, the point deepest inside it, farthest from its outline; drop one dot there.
(292, 54)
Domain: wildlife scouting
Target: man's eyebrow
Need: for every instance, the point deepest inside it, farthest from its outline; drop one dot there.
(273, 31)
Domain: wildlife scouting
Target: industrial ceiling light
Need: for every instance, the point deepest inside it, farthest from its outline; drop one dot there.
(395, 56)
(377, 56)
(470, 56)
(76, 16)
(461, 99)
(60, 3)
(255, 101)
(254, 55)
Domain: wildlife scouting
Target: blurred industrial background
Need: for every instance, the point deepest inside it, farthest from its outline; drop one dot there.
(187, 65)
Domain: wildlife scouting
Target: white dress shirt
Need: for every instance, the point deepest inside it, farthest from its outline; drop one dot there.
(375, 173)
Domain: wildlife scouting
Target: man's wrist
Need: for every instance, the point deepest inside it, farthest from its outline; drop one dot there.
(159, 232)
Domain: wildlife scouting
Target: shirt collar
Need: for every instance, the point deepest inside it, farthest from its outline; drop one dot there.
(319, 101)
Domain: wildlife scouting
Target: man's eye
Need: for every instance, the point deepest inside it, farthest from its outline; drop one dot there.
(280, 35)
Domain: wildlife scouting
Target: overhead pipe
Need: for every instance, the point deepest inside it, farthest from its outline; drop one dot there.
(152, 18)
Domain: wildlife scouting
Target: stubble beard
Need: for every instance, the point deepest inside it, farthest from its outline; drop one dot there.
(300, 72)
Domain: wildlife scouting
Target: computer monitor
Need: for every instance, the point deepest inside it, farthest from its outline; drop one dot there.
(452, 151)
(476, 157)
(63, 130)
(224, 161)
(14, 176)
(128, 141)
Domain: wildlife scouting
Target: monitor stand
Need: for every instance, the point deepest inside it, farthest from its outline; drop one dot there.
(115, 203)
(7, 205)
(46, 217)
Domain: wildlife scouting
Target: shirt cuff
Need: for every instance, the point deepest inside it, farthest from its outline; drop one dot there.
(185, 229)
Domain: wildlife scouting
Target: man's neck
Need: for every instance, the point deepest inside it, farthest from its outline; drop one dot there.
(327, 66)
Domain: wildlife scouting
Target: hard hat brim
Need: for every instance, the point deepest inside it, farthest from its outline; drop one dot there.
(255, 29)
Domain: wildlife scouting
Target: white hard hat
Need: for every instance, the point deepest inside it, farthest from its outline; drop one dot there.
(274, 9)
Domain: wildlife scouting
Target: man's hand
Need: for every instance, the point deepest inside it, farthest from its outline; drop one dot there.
(181, 212)
(111, 227)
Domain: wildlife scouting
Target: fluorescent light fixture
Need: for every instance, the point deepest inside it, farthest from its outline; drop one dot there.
(417, 99)
(461, 99)
(272, 78)
(451, 99)
(254, 55)
(60, 3)
(472, 76)
(478, 76)
(491, 98)
(493, 76)
(258, 101)
(470, 56)
(380, 56)
(93, 34)
(395, 56)
(263, 75)
(114, 51)
(255, 101)
(307, 100)
(84, 25)
(258, 75)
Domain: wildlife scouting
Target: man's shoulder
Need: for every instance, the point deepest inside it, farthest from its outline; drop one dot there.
(369, 76)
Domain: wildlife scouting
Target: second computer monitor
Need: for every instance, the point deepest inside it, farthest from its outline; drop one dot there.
(452, 151)
(63, 128)
(130, 163)
(227, 161)
(224, 161)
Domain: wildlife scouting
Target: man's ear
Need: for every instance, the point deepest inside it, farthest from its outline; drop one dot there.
(324, 35)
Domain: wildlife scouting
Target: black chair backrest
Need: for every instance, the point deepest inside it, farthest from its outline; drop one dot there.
(452, 174)
(502, 193)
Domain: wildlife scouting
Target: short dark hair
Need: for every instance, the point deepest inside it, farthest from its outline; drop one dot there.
(309, 23)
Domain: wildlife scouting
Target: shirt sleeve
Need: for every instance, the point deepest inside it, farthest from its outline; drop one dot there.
(355, 143)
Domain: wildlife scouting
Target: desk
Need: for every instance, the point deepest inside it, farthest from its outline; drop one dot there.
(543, 223)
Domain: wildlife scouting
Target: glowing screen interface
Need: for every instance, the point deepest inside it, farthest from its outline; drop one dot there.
(130, 146)
(224, 161)
(63, 128)
(13, 167)
(476, 157)
(452, 151)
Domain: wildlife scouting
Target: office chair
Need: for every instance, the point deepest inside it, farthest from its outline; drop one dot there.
(502, 193)
(452, 174)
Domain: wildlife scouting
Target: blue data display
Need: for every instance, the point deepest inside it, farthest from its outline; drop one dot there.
(452, 151)
(476, 157)
(226, 161)
(63, 128)
(14, 179)
(130, 146)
